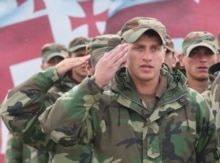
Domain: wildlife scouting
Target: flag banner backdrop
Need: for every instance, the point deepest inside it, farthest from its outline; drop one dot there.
(26, 25)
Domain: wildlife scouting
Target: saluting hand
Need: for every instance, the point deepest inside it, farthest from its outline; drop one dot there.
(69, 63)
(109, 64)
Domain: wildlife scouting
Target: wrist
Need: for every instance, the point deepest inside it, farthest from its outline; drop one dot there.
(96, 84)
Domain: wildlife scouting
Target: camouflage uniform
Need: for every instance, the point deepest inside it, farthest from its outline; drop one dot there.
(17, 151)
(123, 130)
(215, 103)
(206, 39)
(177, 127)
(27, 101)
(36, 94)
(213, 92)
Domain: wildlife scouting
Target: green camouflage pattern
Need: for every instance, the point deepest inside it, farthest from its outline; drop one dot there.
(212, 97)
(50, 50)
(208, 98)
(17, 152)
(199, 38)
(135, 27)
(169, 43)
(78, 43)
(179, 127)
(24, 104)
(101, 44)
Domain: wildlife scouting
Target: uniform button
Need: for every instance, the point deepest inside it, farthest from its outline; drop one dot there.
(182, 100)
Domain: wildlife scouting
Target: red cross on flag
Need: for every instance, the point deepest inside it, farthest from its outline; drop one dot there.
(26, 25)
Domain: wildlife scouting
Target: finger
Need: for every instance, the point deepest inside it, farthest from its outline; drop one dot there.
(117, 53)
(79, 60)
(120, 53)
(121, 61)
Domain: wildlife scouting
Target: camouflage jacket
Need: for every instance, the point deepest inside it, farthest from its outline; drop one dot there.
(211, 95)
(26, 102)
(178, 127)
(18, 152)
(213, 98)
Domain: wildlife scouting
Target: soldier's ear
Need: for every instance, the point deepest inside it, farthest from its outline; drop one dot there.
(180, 58)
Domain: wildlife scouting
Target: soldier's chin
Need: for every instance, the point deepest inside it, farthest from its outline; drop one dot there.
(202, 78)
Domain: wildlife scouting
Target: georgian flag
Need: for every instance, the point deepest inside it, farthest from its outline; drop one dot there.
(26, 25)
(179, 16)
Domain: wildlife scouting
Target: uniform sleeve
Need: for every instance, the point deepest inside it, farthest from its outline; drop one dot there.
(23, 105)
(13, 150)
(38, 156)
(73, 123)
(215, 104)
(18, 152)
(206, 147)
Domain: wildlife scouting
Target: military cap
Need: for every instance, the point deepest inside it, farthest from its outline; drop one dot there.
(199, 38)
(50, 50)
(169, 44)
(135, 27)
(101, 44)
(78, 43)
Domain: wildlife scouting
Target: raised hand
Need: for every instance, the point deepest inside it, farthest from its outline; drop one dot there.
(69, 63)
(109, 64)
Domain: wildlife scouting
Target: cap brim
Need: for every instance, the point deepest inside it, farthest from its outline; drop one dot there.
(73, 49)
(136, 34)
(170, 49)
(55, 55)
(190, 48)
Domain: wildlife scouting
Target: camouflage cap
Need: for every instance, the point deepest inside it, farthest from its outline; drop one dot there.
(50, 50)
(169, 44)
(199, 38)
(135, 27)
(78, 43)
(101, 44)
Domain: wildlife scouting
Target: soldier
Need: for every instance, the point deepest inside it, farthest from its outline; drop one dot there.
(148, 115)
(214, 69)
(40, 91)
(215, 103)
(52, 54)
(212, 94)
(17, 151)
(96, 48)
(170, 57)
(200, 50)
(77, 48)
(32, 133)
